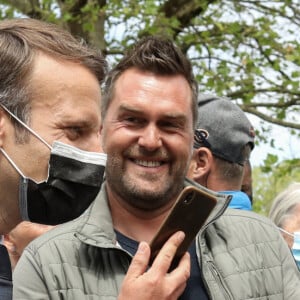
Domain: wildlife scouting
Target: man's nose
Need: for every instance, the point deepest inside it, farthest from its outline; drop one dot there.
(150, 138)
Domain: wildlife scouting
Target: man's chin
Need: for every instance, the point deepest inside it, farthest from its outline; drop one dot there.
(150, 188)
(149, 201)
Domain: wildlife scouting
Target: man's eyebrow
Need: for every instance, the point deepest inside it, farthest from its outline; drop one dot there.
(84, 122)
(169, 115)
(175, 116)
(128, 108)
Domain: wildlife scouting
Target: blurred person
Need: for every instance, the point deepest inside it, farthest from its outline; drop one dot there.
(50, 160)
(224, 139)
(149, 115)
(18, 238)
(285, 213)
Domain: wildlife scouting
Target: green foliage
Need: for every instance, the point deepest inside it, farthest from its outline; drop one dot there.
(247, 50)
(270, 180)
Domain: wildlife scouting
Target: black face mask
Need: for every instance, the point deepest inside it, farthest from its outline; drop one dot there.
(74, 179)
(72, 185)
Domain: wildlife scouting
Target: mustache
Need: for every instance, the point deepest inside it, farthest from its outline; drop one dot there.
(138, 152)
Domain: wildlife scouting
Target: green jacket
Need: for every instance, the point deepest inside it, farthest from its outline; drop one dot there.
(242, 256)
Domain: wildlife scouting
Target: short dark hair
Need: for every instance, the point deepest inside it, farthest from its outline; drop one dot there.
(20, 40)
(230, 171)
(156, 55)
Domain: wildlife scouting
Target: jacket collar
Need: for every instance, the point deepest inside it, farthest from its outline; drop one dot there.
(96, 227)
(222, 202)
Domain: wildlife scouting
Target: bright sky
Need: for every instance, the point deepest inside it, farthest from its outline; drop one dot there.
(287, 146)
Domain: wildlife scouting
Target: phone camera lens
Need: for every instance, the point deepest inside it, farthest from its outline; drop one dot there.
(189, 197)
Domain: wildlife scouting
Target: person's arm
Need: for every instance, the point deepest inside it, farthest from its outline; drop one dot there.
(156, 282)
(21, 281)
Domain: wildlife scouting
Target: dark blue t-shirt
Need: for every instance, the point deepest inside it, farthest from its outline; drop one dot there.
(195, 289)
(5, 275)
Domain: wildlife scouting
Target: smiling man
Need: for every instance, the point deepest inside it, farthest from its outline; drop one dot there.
(143, 139)
(149, 112)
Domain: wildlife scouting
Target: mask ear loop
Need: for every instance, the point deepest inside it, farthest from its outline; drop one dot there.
(12, 163)
(288, 233)
(27, 127)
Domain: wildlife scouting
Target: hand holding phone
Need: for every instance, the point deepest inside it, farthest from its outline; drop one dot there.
(188, 214)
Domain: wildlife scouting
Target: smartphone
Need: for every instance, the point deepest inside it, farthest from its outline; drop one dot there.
(188, 214)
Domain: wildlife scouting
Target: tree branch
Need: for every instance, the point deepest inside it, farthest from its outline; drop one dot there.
(182, 10)
(28, 8)
(269, 119)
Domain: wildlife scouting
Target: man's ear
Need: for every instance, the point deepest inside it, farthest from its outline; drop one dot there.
(201, 164)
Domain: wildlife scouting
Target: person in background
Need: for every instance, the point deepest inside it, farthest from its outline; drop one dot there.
(149, 114)
(50, 160)
(285, 213)
(18, 238)
(224, 139)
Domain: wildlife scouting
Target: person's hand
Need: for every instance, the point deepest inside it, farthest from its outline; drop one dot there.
(156, 282)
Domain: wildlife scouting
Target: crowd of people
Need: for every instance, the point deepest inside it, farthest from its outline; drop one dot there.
(99, 158)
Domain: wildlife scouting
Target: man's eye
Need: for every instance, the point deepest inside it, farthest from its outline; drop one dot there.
(132, 120)
(74, 132)
(168, 124)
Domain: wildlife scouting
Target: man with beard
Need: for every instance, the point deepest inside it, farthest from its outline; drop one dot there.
(149, 113)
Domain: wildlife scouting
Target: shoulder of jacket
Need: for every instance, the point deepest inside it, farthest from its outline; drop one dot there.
(245, 219)
(241, 228)
(57, 234)
(238, 214)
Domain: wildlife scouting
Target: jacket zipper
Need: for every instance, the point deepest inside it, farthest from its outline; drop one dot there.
(212, 268)
(226, 293)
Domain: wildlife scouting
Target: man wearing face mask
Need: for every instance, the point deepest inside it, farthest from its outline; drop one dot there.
(50, 160)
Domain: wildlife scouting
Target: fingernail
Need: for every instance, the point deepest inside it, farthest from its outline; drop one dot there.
(180, 236)
(142, 247)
